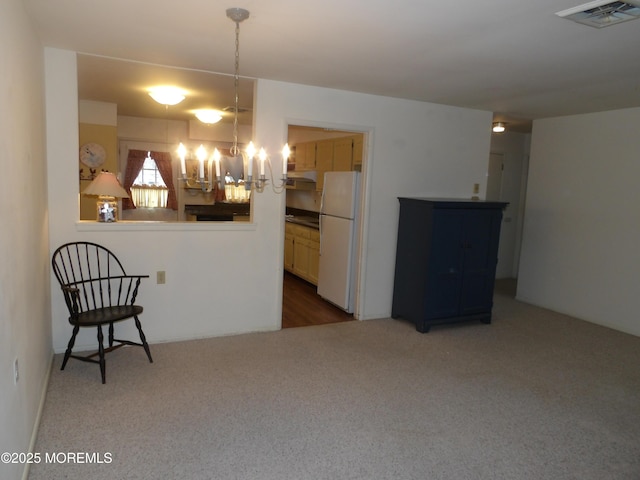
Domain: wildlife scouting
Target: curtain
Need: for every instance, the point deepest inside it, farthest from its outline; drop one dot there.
(149, 196)
(135, 161)
(163, 162)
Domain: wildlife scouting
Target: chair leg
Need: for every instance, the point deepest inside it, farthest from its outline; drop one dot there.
(111, 334)
(72, 341)
(143, 339)
(101, 353)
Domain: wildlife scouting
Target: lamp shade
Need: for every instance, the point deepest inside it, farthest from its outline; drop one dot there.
(106, 184)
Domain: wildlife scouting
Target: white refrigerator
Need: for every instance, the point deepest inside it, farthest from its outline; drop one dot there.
(338, 213)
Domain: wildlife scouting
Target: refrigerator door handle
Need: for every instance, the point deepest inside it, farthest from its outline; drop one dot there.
(322, 202)
(320, 230)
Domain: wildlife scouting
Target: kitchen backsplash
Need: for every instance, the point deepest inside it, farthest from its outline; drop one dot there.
(304, 200)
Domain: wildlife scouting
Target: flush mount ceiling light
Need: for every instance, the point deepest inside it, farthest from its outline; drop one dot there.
(167, 95)
(208, 116)
(498, 127)
(603, 13)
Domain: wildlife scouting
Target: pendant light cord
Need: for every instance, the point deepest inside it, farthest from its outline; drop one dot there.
(236, 81)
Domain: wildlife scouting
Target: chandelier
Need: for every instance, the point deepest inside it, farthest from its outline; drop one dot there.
(247, 157)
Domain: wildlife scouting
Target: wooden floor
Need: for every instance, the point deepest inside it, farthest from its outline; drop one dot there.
(302, 306)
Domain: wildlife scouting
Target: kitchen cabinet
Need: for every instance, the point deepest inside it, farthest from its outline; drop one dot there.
(446, 258)
(314, 256)
(358, 142)
(324, 160)
(289, 234)
(343, 154)
(305, 156)
(302, 251)
(333, 155)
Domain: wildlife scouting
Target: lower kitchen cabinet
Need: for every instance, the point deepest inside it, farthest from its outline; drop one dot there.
(446, 259)
(302, 251)
(314, 256)
(289, 234)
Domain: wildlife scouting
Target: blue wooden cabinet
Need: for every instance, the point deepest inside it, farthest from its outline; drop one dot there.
(446, 259)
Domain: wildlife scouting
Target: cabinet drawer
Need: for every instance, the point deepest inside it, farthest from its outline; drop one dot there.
(315, 235)
(303, 232)
(303, 242)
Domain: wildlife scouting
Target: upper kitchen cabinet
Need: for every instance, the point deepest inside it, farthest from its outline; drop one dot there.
(324, 160)
(358, 142)
(343, 154)
(334, 155)
(305, 156)
(325, 150)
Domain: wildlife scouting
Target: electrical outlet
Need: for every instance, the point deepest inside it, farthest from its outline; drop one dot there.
(476, 188)
(161, 277)
(16, 372)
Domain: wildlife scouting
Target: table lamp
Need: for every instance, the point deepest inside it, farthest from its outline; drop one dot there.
(107, 187)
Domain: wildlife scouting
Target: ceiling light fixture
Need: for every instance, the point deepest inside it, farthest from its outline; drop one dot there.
(246, 158)
(208, 116)
(498, 127)
(167, 95)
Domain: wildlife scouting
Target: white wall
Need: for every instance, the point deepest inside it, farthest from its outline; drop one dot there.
(25, 316)
(414, 148)
(211, 270)
(582, 229)
(226, 279)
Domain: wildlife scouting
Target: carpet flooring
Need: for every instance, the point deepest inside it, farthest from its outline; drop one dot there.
(535, 395)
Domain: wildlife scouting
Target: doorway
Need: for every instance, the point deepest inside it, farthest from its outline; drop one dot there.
(315, 150)
(303, 307)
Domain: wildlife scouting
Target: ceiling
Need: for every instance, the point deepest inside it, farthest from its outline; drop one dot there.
(516, 59)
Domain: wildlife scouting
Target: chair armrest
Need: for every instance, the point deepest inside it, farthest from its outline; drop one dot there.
(71, 298)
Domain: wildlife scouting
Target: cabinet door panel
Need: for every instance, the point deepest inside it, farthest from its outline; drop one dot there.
(343, 154)
(301, 257)
(482, 231)
(288, 252)
(445, 265)
(324, 161)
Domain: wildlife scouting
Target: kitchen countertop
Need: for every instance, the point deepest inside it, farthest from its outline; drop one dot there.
(303, 217)
(311, 222)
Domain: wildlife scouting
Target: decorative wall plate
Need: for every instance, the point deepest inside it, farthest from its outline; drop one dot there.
(92, 154)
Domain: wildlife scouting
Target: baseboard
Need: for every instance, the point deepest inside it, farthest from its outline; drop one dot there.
(36, 424)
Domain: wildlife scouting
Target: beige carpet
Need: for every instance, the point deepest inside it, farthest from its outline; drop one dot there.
(536, 395)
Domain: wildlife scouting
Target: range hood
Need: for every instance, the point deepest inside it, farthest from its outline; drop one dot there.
(306, 176)
(301, 180)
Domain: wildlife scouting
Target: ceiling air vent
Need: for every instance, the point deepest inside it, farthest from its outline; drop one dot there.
(233, 109)
(602, 14)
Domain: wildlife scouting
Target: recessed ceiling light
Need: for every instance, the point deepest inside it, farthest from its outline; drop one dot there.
(603, 13)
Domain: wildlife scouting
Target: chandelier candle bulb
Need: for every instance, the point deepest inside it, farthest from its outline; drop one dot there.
(262, 156)
(216, 158)
(285, 158)
(210, 171)
(182, 153)
(251, 152)
(201, 154)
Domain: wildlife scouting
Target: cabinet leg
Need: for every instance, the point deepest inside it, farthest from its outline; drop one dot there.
(486, 320)
(422, 328)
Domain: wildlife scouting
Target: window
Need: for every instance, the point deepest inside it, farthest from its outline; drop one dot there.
(149, 190)
(149, 174)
